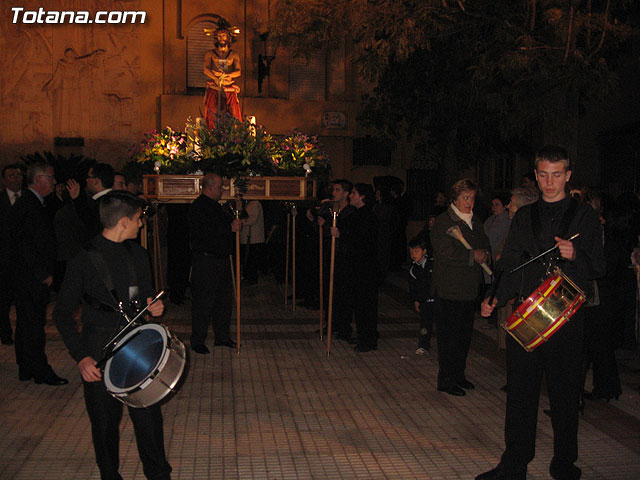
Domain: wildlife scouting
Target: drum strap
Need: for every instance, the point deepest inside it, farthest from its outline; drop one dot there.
(100, 265)
(536, 224)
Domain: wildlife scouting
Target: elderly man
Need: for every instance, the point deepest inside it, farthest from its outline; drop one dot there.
(35, 256)
(211, 228)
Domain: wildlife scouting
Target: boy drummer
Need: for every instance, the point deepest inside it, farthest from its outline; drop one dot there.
(112, 269)
(535, 228)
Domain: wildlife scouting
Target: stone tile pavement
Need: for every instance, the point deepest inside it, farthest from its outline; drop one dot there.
(282, 410)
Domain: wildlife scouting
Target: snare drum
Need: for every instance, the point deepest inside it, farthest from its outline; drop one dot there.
(541, 315)
(146, 367)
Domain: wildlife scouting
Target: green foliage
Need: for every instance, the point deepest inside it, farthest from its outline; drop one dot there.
(467, 77)
(299, 155)
(65, 166)
(231, 148)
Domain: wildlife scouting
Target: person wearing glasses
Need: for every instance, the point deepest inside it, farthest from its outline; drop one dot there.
(34, 256)
(99, 182)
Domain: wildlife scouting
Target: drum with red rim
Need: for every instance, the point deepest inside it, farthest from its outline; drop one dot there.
(544, 312)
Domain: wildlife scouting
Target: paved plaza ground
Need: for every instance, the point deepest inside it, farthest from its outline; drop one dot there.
(282, 410)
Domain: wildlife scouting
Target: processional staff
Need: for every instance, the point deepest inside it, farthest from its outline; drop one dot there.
(331, 273)
(294, 213)
(321, 275)
(237, 213)
(286, 262)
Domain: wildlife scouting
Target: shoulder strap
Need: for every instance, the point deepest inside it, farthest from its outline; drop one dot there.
(97, 260)
(569, 213)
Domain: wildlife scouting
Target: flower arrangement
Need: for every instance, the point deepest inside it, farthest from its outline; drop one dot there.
(165, 151)
(232, 148)
(300, 154)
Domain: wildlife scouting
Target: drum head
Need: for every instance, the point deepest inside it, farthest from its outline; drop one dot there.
(138, 358)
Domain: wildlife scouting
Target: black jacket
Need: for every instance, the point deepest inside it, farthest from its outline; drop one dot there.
(210, 228)
(33, 239)
(524, 241)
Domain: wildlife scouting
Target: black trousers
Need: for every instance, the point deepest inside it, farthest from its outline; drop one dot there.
(250, 258)
(426, 324)
(6, 299)
(212, 293)
(365, 307)
(30, 339)
(105, 414)
(454, 321)
(559, 360)
(343, 300)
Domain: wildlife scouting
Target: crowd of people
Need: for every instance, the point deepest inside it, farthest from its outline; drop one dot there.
(79, 237)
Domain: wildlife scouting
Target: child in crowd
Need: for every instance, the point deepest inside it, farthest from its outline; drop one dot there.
(420, 289)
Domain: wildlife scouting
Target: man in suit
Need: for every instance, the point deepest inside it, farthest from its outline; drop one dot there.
(211, 230)
(35, 255)
(99, 182)
(12, 178)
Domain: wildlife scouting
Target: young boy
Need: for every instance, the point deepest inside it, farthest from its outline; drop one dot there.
(419, 290)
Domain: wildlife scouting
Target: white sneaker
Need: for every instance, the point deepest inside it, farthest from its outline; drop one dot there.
(421, 351)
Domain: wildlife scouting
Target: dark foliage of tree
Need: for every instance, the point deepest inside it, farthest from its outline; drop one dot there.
(468, 78)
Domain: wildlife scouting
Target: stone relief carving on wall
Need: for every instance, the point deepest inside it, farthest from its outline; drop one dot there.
(67, 92)
(69, 80)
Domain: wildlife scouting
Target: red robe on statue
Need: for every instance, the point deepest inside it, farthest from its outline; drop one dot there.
(225, 101)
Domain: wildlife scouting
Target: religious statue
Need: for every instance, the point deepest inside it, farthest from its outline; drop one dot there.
(222, 66)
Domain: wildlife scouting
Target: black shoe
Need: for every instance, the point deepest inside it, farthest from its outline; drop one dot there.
(7, 340)
(547, 412)
(505, 388)
(466, 384)
(455, 390)
(347, 338)
(364, 348)
(225, 343)
(496, 474)
(24, 375)
(564, 472)
(200, 349)
(51, 379)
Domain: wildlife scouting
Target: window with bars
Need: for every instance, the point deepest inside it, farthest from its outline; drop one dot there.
(307, 77)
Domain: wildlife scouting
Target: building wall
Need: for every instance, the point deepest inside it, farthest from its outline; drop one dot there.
(108, 84)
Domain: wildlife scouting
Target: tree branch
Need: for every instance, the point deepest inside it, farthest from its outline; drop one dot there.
(604, 31)
(566, 52)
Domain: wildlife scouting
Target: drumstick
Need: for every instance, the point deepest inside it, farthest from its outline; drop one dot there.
(130, 321)
(571, 238)
(456, 233)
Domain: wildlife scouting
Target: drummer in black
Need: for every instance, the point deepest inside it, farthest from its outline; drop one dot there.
(112, 268)
(535, 228)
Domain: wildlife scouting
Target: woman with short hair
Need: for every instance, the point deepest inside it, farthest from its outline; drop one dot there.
(457, 279)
